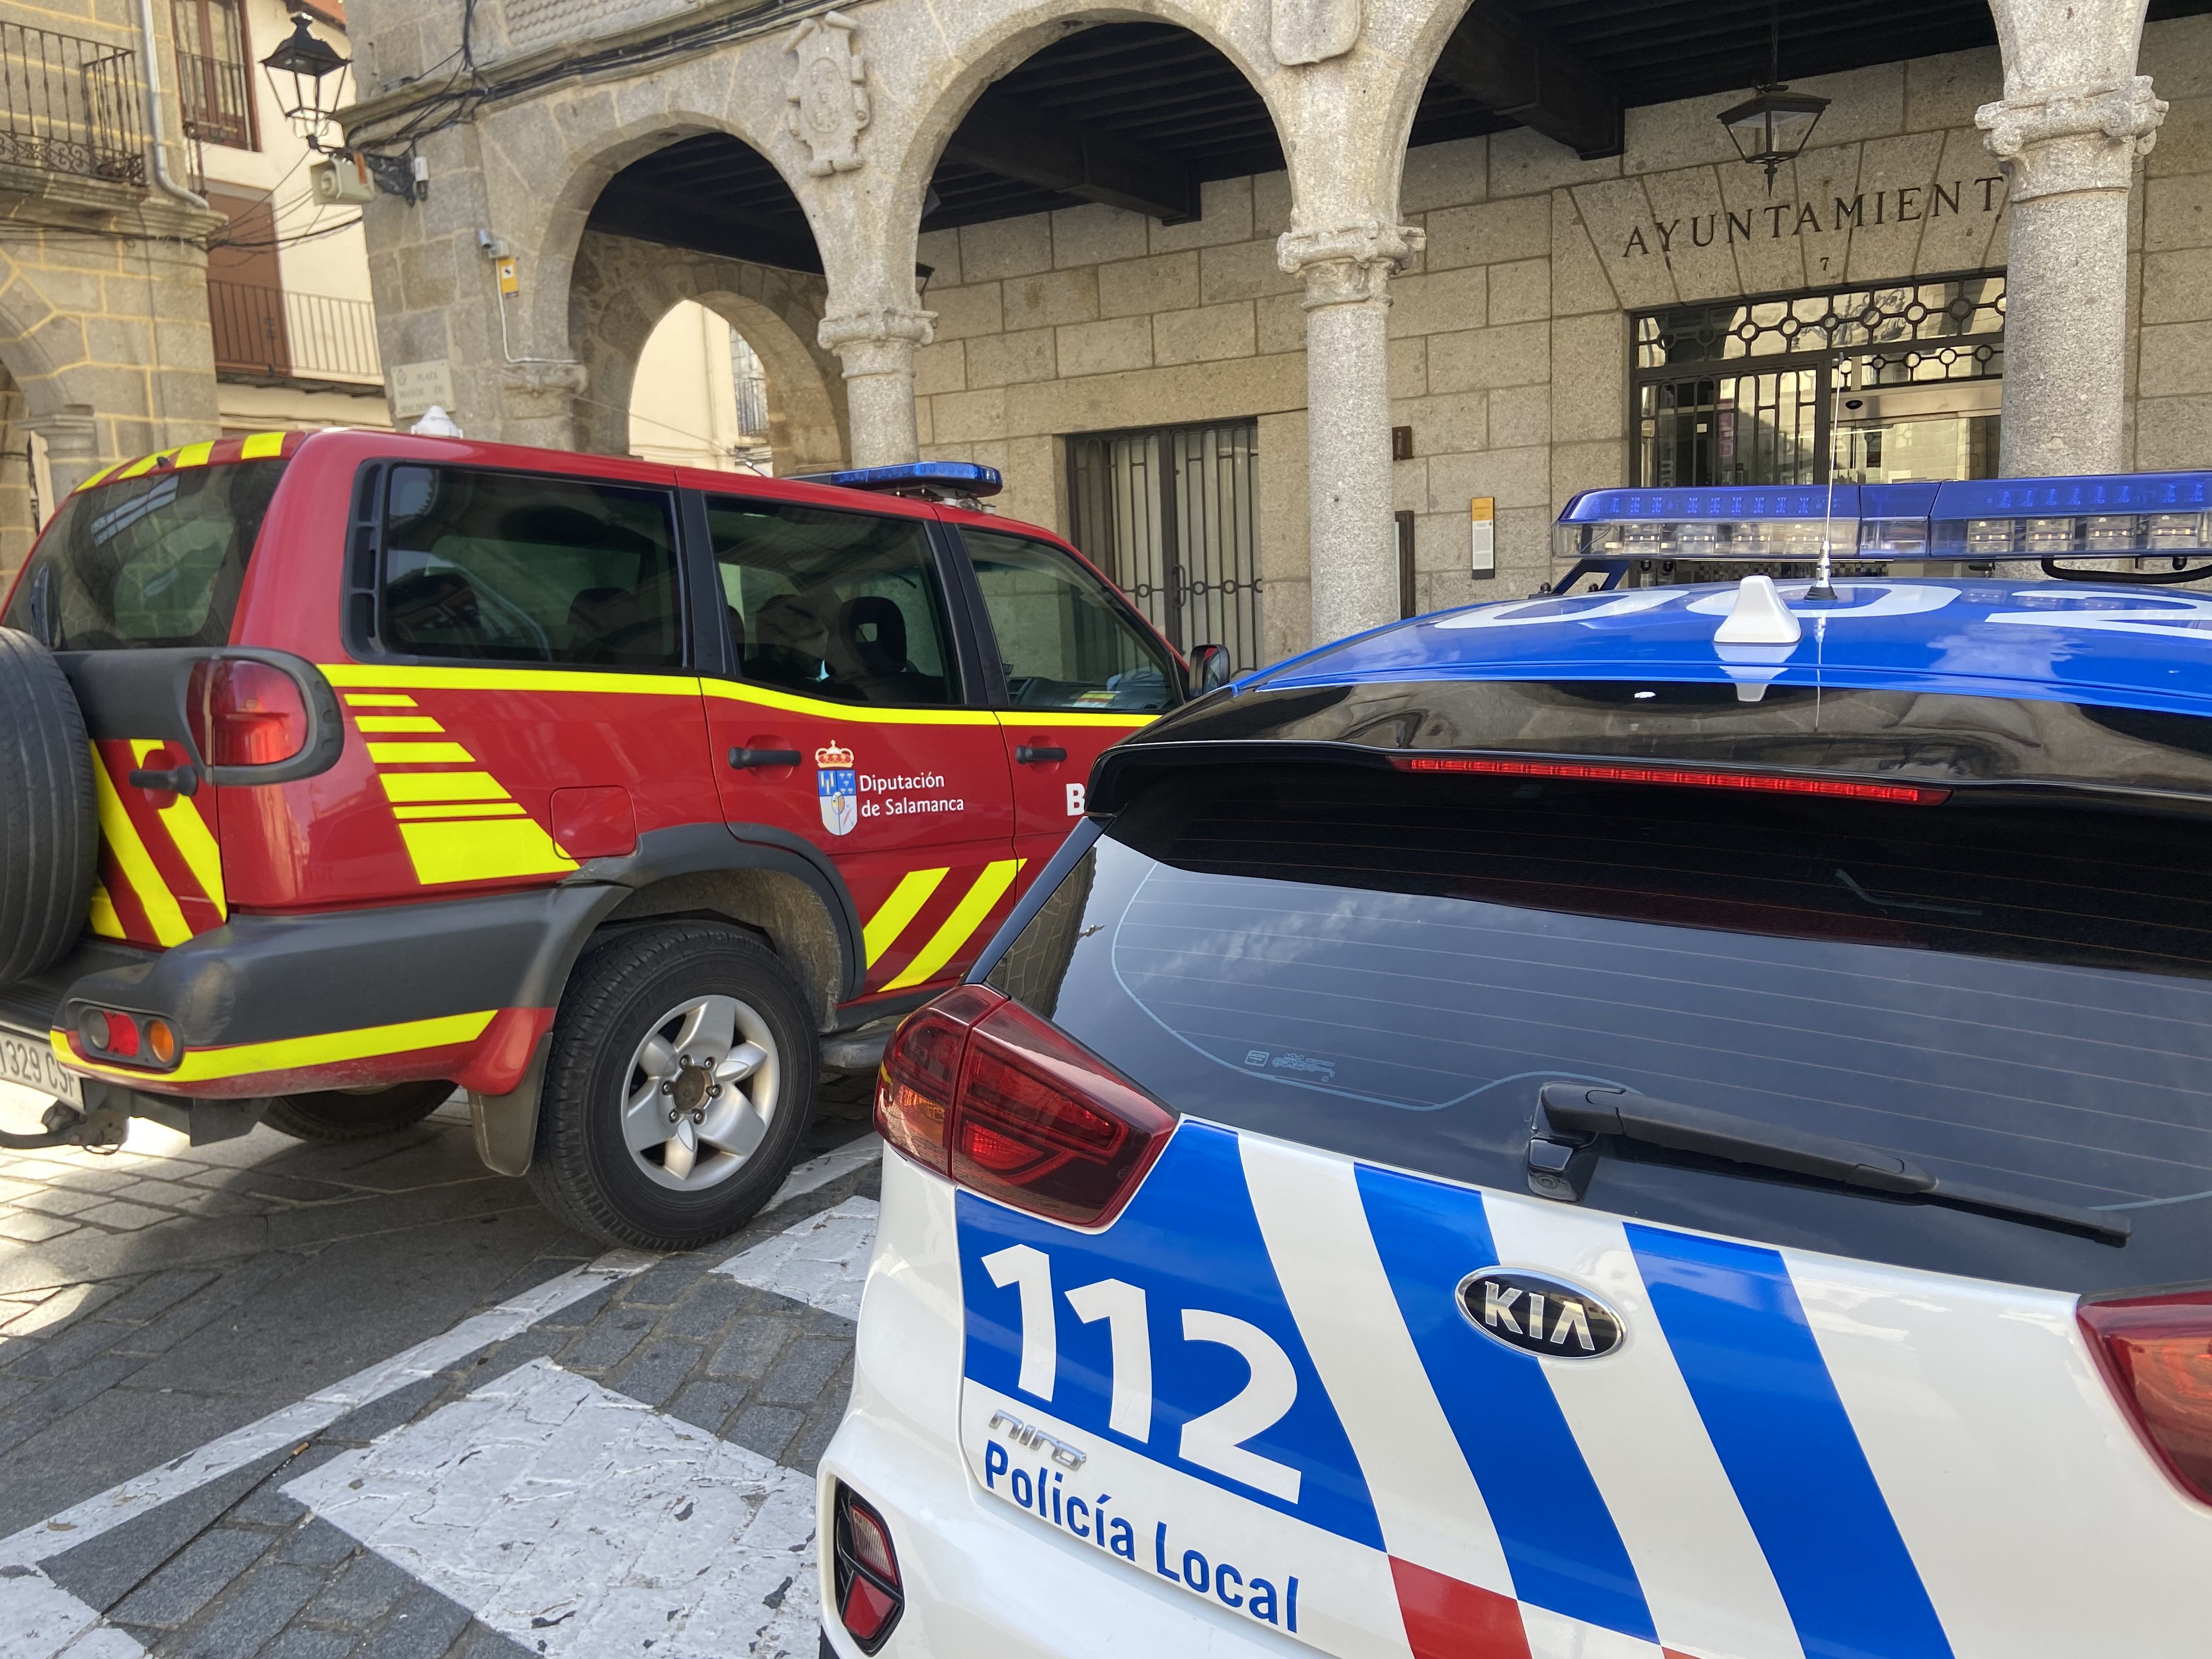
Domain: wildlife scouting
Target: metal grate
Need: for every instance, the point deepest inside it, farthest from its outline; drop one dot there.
(1783, 390)
(1173, 516)
(69, 105)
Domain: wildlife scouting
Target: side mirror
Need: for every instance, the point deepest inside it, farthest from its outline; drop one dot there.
(1209, 668)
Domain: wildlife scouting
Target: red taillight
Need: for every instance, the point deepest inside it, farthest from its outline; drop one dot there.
(1681, 777)
(869, 1596)
(254, 716)
(979, 1088)
(2156, 1351)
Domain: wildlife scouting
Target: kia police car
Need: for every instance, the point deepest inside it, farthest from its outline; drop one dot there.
(1675, 1120)
(340, 770)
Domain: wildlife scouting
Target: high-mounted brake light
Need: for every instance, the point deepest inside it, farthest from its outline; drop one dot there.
(976, 1087)
(2156, 1353)
(870, 1597)
(1681, 777)
(254, 714)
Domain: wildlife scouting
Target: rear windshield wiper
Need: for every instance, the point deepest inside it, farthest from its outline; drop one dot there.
(1573, 1118)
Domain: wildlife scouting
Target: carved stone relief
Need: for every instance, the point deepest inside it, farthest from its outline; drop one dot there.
(828, 96)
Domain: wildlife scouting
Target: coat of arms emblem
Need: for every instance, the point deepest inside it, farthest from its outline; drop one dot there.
(839, 785)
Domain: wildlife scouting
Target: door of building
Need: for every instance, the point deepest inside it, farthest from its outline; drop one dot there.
(1173, 516)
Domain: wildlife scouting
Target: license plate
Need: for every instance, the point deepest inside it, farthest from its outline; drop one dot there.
(28, 1061)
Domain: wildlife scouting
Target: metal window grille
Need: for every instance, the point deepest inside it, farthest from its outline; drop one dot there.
(215, 72)
(1761, 391)
(69, 106)
(1173, 516)
(274, 332)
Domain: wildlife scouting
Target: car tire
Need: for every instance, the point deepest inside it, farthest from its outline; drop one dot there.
(354, 1114)
(49, 820)
(728, 1016)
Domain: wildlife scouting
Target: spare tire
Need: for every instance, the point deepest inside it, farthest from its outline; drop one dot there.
(49, 821)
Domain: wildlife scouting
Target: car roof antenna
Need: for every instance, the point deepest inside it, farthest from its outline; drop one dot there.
(1759, 617)
(1823, 590)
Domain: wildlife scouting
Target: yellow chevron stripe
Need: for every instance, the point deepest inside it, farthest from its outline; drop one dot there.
(418, 754)
(97, 477)
(144, 464)
(967, 916)
(188, 830)
(396, 723)
(458, 810)
(900, 907)
(261, 446)
(136, 863)
(104, 920)
(481, 849)
(195, 454)
(287, 1054)
(401, 787)
(378, 700)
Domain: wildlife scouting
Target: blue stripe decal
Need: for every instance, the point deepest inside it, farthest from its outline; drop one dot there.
(1559, 1537)
(1745, 1347)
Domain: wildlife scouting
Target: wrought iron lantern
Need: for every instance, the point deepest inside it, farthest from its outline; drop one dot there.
(308, 76)
(1773, 126)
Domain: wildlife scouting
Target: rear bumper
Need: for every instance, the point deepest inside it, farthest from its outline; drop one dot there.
(983, 1580)
(460, 989)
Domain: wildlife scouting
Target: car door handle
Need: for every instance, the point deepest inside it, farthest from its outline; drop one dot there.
(1036, 754)
(744, 759)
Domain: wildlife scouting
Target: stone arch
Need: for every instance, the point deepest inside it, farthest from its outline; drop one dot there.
(620, 291)
(517, 147)
(970, 61)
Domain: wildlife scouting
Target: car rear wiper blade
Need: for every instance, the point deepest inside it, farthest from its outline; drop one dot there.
(1572, 1118)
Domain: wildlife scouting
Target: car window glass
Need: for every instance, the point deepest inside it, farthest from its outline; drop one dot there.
(841, 605)
(159, 559)
(515, 568)
(1064, 641)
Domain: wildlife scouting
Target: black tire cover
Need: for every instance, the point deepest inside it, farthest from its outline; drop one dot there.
(49, 821)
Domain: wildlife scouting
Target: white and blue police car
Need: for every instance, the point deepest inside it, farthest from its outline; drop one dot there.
(1666, 1120)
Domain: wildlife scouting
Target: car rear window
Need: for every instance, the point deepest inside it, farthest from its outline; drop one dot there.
(2020, 998)
(158, 560)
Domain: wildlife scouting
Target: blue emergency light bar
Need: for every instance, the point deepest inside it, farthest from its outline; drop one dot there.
(2118, 515)
(941, 480)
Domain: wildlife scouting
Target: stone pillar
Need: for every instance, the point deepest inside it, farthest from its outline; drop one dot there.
(877, 347)
(1351, 552)
(2069, 157)
(72, 437)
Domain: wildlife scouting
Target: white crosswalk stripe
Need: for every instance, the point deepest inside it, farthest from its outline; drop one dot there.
(823, 1261)
(577, 1520)
(38, 1619)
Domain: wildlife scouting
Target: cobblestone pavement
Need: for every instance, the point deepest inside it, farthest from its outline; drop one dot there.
(264, 1399)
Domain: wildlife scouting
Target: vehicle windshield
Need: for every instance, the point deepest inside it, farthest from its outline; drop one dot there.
(158, 560)
(1392, 967)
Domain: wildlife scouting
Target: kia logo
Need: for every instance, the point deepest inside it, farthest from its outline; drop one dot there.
(1539, 1314)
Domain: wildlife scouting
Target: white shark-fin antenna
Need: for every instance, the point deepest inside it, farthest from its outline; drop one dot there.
(1759, 617)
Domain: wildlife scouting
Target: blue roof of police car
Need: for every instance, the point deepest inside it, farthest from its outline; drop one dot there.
(2143, 647)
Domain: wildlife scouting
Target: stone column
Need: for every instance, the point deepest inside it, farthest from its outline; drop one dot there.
(2069, 157)
(72, 435)
(877, 347)
(1351, 553)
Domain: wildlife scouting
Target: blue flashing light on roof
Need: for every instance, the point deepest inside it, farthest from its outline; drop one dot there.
(940, 480)
(2125, 515)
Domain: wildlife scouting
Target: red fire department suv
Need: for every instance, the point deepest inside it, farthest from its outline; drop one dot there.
(607, 792)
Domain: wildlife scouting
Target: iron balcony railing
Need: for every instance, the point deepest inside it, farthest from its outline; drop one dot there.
(69, 106)
(217, 94)
(278, 334)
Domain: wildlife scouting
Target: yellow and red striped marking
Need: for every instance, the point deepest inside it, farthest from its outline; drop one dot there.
(160, 867)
